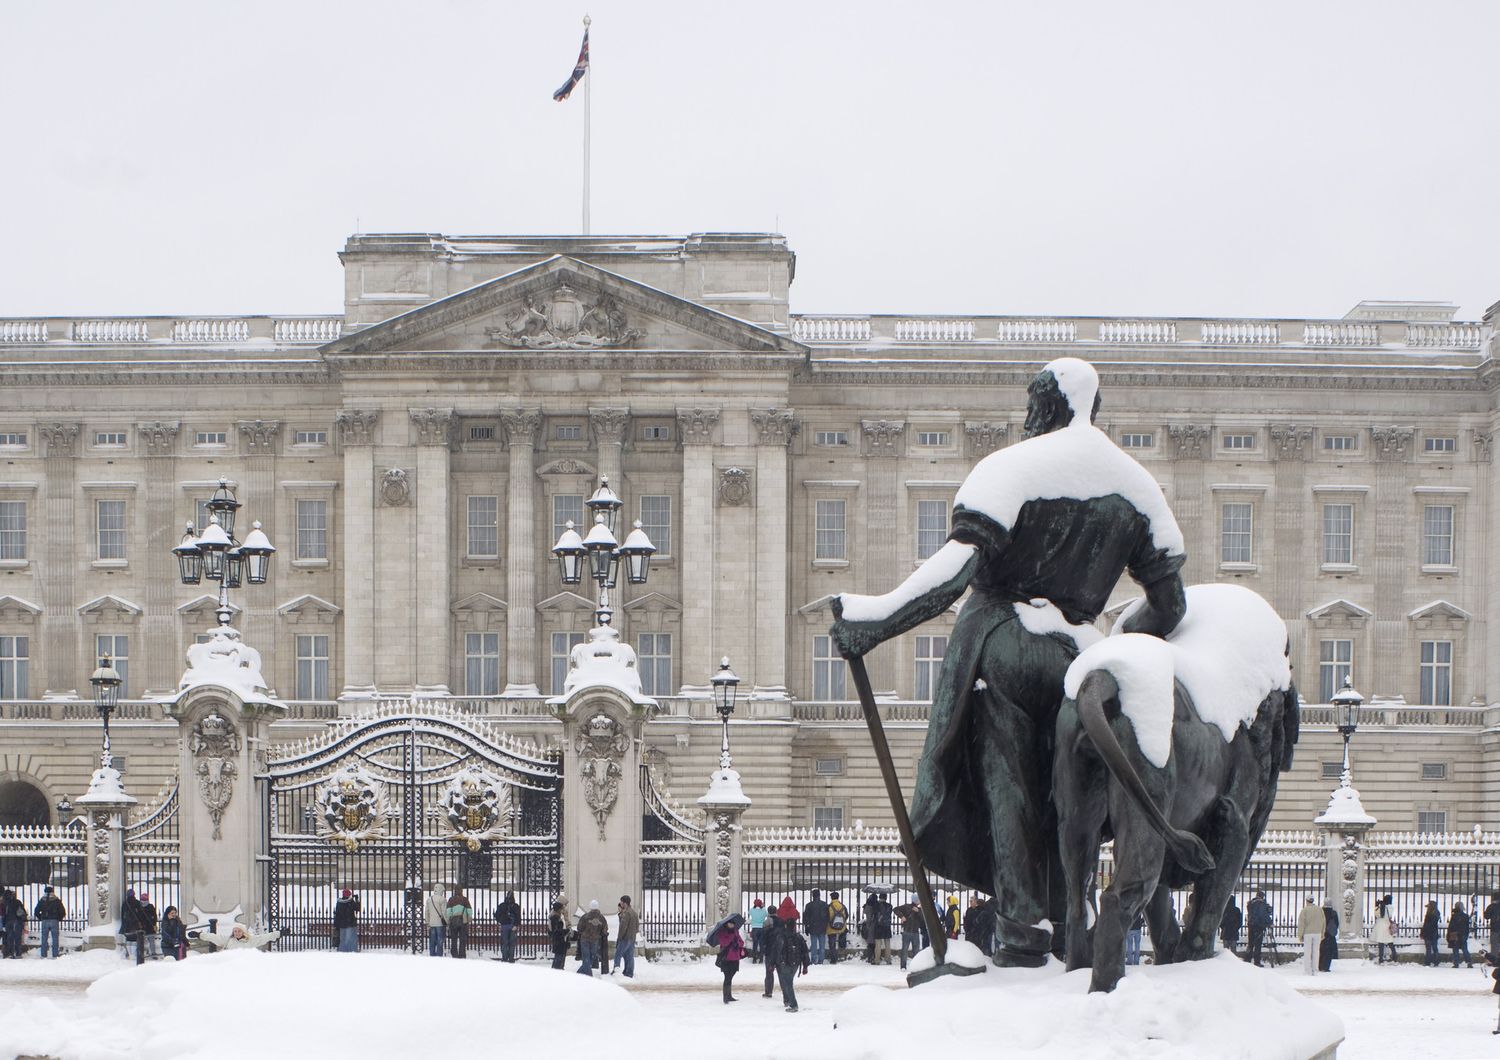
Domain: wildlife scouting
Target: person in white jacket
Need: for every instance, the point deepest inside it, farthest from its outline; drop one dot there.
(1310, 930)
(436, 913)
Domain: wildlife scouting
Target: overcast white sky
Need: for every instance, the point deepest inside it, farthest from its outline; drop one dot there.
(1273, 158)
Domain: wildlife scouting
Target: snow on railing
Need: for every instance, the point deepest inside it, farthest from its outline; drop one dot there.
(681, 821)
(1394, 845)
(57, 841)
(1241, 333)
(778, 842)
(1462, 336)
(1341, 334)
(849, 710)
(212, 330)
(23, 331)
(111, 331)
(831, 329)
(930, 329)
(1037, 331)
(1147, 331)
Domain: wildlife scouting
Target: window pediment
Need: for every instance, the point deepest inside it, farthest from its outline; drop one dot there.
(566, 601)
(1439, 615)
(1339, 614)
(110, 608)
(309, 608)
(476, 602)
(15, 610)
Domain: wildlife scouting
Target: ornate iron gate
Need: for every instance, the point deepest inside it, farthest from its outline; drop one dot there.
(673, 869)
(409, 795)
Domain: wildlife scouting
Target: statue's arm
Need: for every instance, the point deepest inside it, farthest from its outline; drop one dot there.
(1160, 576)
(862, 622)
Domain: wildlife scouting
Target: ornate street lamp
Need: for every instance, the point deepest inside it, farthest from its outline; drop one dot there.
(64, 810)
(637, 552)
(1346, 703)
(603, 551)
(725, 682)
(569, 551)
(106, 682)
(607, 503)
(217, 556)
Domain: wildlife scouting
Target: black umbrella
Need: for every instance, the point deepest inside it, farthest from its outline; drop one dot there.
(714, 931)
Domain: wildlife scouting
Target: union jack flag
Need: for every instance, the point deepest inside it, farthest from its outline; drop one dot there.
(579, 69)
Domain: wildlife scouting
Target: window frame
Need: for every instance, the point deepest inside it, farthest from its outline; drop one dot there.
(559, 524)
(663, 547)
(300, 441)
(210, 439)
(120, 661)
(15, 667)
(1332, 671)
(1346, 560)
(20, 539)
(123, 530)
(558, 676)
(470, 526)
(927, 664)
(1435, 675)
(299, 553)
(837, 534)
(1439, 817)
(1248, 533)
(1138, 440)
(929, 547)
(1230, 442)
(831, 439)
(1443, 559)
(654, 664)
(482, 663)
(830, 672)
(305, 682)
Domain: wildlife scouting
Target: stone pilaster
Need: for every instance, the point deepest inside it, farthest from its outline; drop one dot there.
(775, 429)
(160, 662)
(60, 554)
(356, 431)
(881, 537)
(523, 553)
(609, 427)
(1290, 447)
(697, 547)
(104, 808)
(1187, 446)
(1392, 449)
(259, 442)
(431, 557)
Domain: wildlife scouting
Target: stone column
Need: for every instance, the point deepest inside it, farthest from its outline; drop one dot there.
(1342, 828)
(220, 752)
(882, 539)
(433, 563)
(159, 623)
(1290, 448)
(696, 545)
(523, 554)
(724, 803)
(59, 558)
(356, 430)
(104, 808)
(258, 441)
(776, 428)
(609, 427)
(1189, 449)
(1392, 447)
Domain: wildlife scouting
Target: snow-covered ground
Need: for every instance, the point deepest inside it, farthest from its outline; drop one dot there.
(377, 1005)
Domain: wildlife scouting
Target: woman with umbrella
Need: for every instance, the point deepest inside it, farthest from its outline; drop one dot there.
(726, 936)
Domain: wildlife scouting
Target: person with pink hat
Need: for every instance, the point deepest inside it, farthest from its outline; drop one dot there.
(346, 921)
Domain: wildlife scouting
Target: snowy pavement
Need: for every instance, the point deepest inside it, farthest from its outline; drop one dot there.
(378, 1004)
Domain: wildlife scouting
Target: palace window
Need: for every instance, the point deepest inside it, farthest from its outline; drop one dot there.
(1236, 524)
(484, 527)
(1437, 535)
(828, 818)
(655, 661)
(109, 439)
(1338, 534)
(481, 664)
(211, 438)
(1339, 443)
(13, 439)
(1137, 440)
(1335, 662)
(566, 508)
(828, 767)
(830, 540)
(656, 432)
(1432, 822)
(930, 652)
(562, 647)
(115, 646)
(109, 526)
(1333, 770)
(312, 529)
(1435, 676)
(481, 432)
(312, 666)
(1237, 441)
(15, 666)
(828, 669)
(1439, 444)
(12, 529)
(656, 521)
(1434, 770)
(310, 438)
(932, 527)
(568, 432)
(819, 438)
(934, 439)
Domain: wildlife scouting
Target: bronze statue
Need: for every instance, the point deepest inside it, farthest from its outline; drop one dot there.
(1040, 532)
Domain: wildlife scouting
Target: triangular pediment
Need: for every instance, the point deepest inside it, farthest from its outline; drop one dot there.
(1345, 609)
(108, 603)
(479, 602)
(14, 605)
(563, 306)
(1439, 609)
(653, 601)
(202, 605)
(307, 603)
(566, 601)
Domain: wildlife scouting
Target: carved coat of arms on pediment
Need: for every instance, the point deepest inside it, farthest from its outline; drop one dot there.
(562, 321)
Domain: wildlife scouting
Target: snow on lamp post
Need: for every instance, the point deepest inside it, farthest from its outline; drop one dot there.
(1344, 823)
(1346, 703)
(725, 682)
(216, 555)
(599, 555)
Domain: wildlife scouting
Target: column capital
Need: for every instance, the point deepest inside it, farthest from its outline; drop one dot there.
(1290, 441)
(609, 425)
(883, 437)
(59, 439)
(775, 426)
(1392, 445)
(1481, 449)
(521, 426)
(434, 426)
(695, 426)
(160, 437)
(1189, 440)
(986, 437)
(259, 436)
(356, 426)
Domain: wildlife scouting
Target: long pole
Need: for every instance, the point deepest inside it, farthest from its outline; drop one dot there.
(935, 929)
(588, 79)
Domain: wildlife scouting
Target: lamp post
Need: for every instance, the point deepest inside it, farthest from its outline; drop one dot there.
(216, 555)
(1346, 703)
(106, 682)
(602, 554)
(725, 682)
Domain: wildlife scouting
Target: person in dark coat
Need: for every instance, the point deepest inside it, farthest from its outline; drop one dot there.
(910, 916)
(173, 934)
(815, 923)
(1432, 935)
(973, 920)
(151, 926)
(731, 952)
(880, 931)
(1328, 949)
(867, 915)
(12, 923)
(770, 943)
(789, 956)
(1458, 935)
(346, 922)
(133, 924)
(1229, 925)
(1260, 922)
(1492, 919)
(508, 916)
(49, 914)
(557, 934)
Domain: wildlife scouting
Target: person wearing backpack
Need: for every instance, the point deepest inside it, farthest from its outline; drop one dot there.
(838, 927)
(459, 913)
(435, 913)
(790, 955)
(49, 914)
(1260, 922)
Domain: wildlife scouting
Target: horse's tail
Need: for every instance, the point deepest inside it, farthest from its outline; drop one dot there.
(1098, 687)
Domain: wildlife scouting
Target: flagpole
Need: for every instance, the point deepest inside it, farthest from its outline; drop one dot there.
(588, 79)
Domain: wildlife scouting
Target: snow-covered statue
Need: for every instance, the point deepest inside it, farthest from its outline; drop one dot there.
(1041, 532)
(1174, 747)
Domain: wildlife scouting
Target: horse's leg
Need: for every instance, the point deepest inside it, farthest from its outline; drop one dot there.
(1211, 891)
(1080, 792)
(1139, 853)
(1161, 922)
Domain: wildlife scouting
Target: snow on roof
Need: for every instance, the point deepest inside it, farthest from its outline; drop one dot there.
(1229, 652)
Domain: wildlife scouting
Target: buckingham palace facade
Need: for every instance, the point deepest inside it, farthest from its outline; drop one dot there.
(414, 457)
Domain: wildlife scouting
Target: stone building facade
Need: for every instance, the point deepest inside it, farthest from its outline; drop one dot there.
(415, 456)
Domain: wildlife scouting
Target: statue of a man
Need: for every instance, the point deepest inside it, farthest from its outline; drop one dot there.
(1041, 532)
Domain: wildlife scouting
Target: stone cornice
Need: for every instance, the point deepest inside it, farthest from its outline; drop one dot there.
(259, 436)
(434, 426)
(609, 425)
(158, 373)
(356, 426)
(160, 438)
(1290, 441)
(774, 426)
(695, 426)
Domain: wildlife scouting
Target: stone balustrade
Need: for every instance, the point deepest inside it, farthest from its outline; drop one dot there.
(179, 331)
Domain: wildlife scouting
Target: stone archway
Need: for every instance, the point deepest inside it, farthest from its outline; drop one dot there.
(24, 804)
